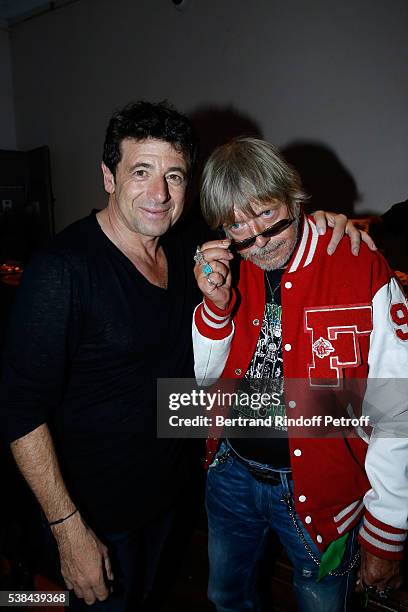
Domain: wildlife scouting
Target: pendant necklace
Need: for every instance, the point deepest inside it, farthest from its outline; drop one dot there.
(274, 312)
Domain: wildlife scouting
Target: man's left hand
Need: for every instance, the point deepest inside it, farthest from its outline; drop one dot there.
(341, 225)
(379, 573)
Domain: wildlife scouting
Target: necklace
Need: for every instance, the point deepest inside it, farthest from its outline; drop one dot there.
(274, 290)
(273, 313)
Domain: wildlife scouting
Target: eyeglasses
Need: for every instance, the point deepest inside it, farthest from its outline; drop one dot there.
(276, 228)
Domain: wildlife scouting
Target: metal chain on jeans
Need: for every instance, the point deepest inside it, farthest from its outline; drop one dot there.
(291, 510)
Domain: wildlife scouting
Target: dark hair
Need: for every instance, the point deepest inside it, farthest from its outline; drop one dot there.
(142, 120)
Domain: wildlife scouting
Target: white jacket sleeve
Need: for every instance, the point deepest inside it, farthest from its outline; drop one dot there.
(213, 331)
(386, 404)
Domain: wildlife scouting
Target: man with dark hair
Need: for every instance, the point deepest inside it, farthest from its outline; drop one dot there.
(309, 330)
(102, 313)
(145, 120)
(98, 314)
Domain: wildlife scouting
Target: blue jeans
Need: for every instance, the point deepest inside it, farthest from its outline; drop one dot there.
(241, 513)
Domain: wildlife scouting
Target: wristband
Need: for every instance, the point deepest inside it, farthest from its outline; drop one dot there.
(61, 520)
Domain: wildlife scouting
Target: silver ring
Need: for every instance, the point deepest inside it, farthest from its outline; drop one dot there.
(199, 257)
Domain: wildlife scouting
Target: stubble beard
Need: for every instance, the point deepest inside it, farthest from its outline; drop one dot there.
(259, 256)
(152, 228)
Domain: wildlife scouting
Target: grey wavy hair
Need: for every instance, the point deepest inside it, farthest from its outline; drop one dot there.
(244, 172)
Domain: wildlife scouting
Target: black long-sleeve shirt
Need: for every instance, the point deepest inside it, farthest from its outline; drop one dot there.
(89, 337)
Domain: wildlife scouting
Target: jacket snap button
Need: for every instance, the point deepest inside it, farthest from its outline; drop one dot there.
(297, 452)
(319, 539)
(238, 371)
(302, 498)
(288, 347)
(255, 322)
(308, 520)
(288, 285)
(292, 404)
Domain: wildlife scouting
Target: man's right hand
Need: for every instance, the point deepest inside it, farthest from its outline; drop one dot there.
(217, 285)
(84, 560)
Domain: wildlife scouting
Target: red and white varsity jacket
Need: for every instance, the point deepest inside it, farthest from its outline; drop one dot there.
(342, 317)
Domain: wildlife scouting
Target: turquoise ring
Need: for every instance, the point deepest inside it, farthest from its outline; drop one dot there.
(207, 269)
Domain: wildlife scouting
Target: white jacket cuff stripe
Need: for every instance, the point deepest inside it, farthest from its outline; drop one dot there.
(211, 323)
(379, 543)
(212, 314)
(396, 537)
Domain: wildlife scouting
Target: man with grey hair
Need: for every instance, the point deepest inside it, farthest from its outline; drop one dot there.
(285, 310)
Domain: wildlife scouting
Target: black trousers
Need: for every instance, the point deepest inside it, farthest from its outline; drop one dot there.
(135, 558)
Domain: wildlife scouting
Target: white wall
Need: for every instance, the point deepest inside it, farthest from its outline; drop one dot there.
(7, 122)
(326, 71)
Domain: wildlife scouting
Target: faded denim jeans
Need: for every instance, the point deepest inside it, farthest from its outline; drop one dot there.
(241, 512)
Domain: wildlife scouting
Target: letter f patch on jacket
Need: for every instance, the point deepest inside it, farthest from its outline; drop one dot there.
(334, 335)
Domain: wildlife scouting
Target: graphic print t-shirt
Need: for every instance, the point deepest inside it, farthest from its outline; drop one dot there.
(265, 376)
